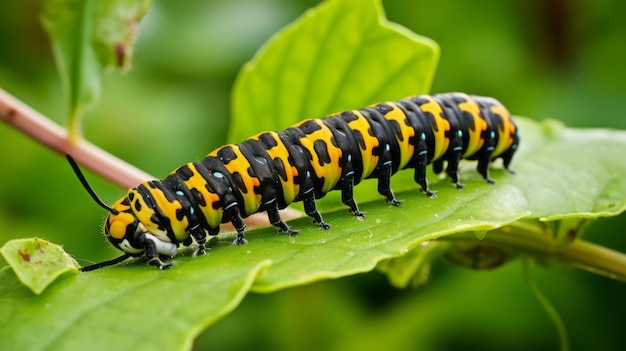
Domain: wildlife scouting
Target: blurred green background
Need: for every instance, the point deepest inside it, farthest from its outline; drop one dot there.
(543, 59)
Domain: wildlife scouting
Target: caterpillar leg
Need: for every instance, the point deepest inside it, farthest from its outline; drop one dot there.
(153, 256)
(347, 197)
(384, 186)
(200, 235)
(276, 221)
(483, 168)
(240, 226)
(438, 166)
(311, 210)
(506, 160)
(452, 170)
(420, 174)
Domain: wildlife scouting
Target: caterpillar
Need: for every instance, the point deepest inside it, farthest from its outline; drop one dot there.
(270, 170)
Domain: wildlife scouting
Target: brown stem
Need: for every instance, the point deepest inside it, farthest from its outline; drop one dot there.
(21, 116)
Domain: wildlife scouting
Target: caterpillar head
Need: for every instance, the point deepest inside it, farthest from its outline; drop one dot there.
(123, 229)
(127, 232)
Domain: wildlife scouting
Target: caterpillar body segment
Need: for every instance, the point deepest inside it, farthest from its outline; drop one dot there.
(270, 170)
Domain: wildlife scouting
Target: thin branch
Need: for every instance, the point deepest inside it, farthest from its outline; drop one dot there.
(549, 308)
(32, 123)
(591, 257)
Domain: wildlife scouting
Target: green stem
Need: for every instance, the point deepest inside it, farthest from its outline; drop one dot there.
(77, 87)
(597, 259)
(552, 312)
(532, 238)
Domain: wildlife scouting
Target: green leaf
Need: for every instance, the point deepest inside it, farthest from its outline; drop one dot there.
(566, 177)
(132, 301)
(571, 172)
(127, 307)
(354, 246)
(88, 36)
(36, 262)
(342, 54)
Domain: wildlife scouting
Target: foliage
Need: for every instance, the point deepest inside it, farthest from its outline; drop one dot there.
(307, 70)
(89, 36)
(548, 168)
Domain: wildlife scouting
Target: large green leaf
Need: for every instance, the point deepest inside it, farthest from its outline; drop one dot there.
(566, 177)
(124, 307)
(133, 300)
(342, 54)
(572, 172)
(339, 55)
(88, 36)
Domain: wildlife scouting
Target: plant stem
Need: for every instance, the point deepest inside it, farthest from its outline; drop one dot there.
(32, 123)
(597, 259)
(21, 116)
(552, 312)
(531, 238)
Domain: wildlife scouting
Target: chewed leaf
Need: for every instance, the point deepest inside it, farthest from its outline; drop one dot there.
(88, 36)
(37, 263)
(115, 29)
(340, 55)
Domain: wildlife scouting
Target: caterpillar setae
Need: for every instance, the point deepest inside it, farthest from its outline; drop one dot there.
(302, 163)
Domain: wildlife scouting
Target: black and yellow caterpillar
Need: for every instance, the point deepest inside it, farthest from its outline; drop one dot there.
(304, 162)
